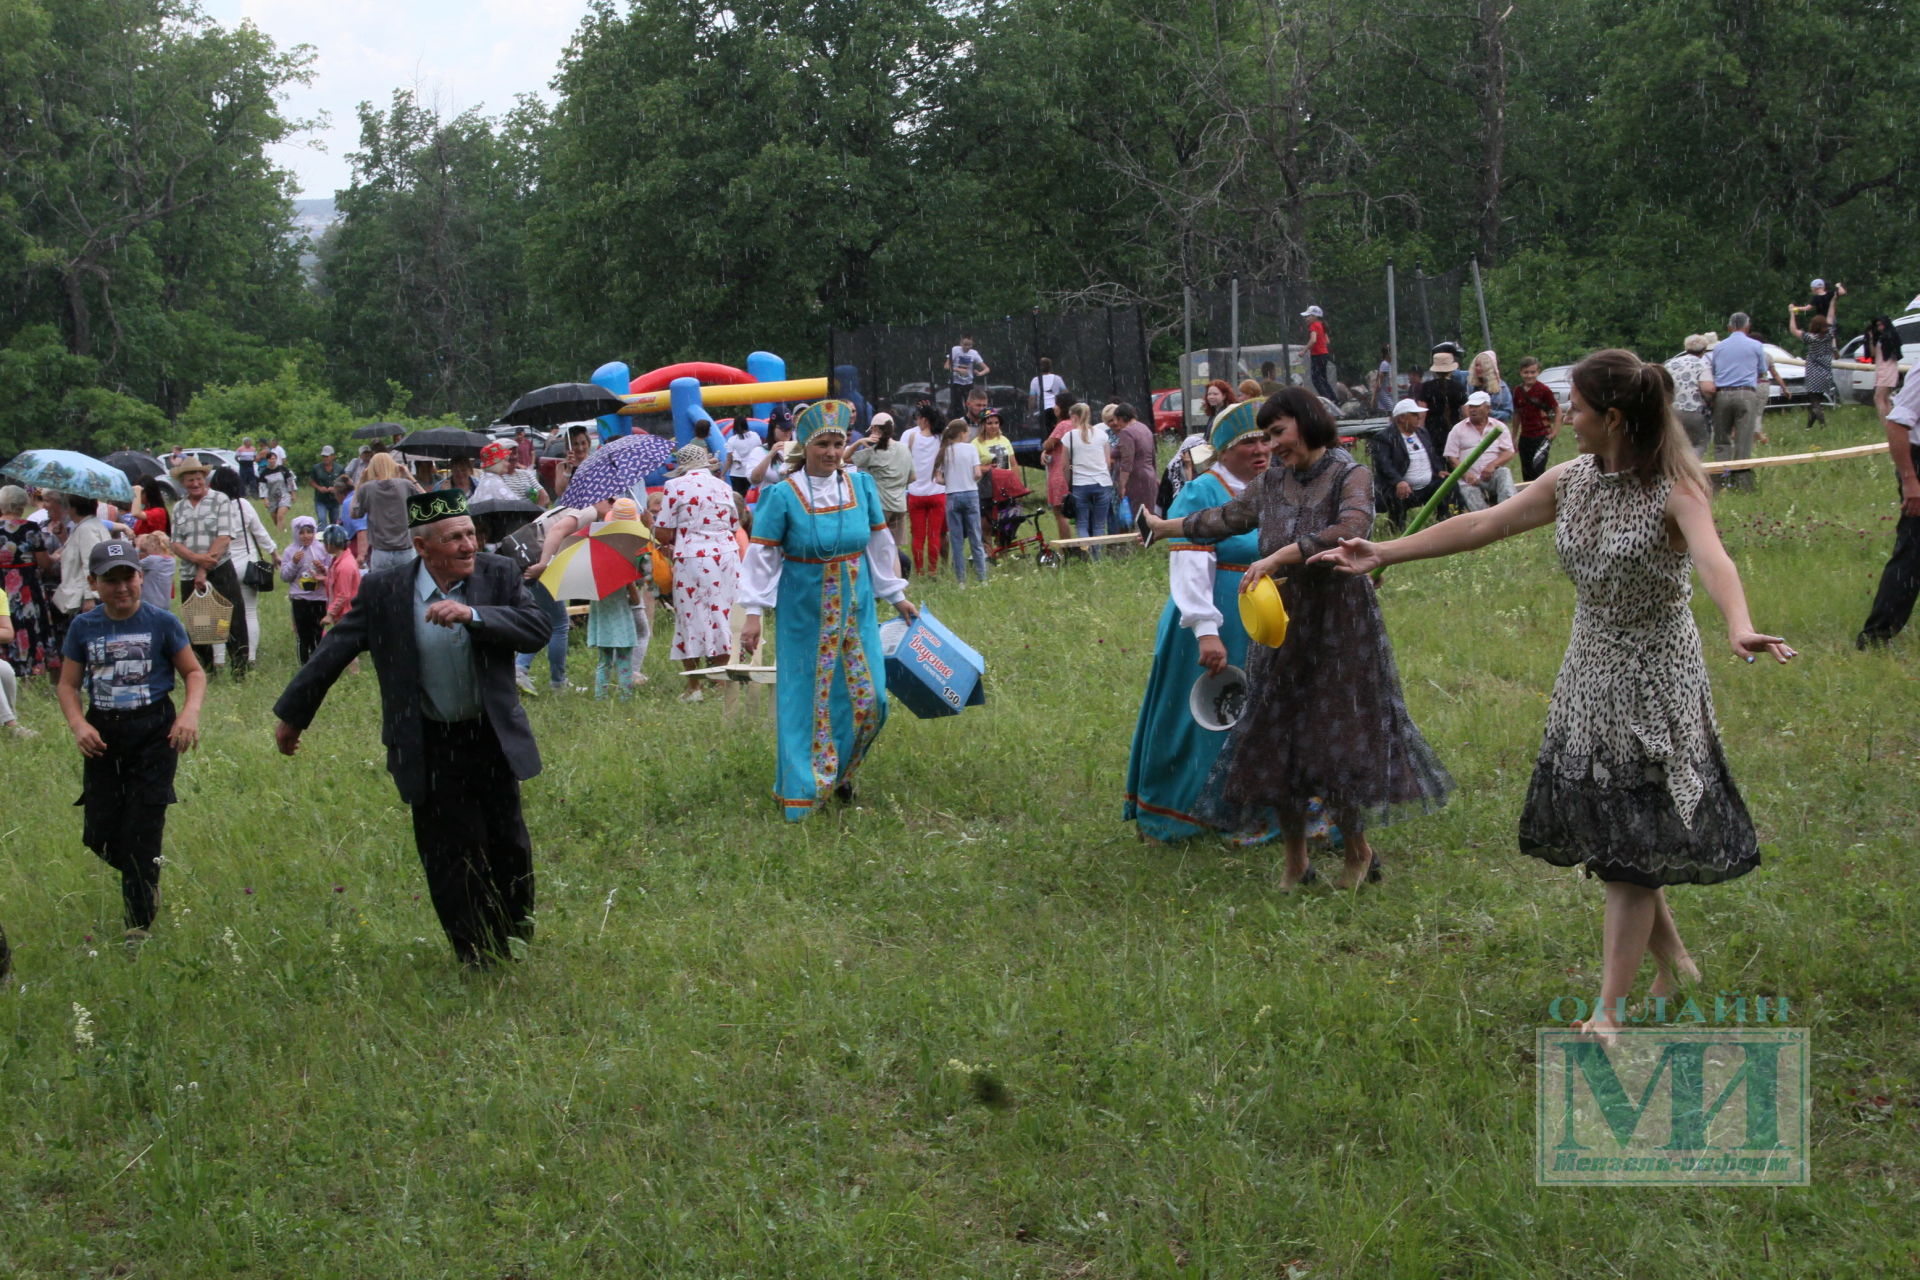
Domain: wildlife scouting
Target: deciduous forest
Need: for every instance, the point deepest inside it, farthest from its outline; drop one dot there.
(714, 179)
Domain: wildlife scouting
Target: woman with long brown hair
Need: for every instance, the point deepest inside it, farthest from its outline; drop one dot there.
(1631, 782)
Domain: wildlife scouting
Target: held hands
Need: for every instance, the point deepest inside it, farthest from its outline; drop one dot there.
(1213, 654)
(1751, 644)
(1352, 556)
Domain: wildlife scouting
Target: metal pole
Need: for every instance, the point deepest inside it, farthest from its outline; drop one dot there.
(1112, 368)
(1146, 364)
(1039, 374)
(1186, 321)
(1393, 341)
(1426, 312)
(1480, 296)
(1286, 348)
(1233, 361)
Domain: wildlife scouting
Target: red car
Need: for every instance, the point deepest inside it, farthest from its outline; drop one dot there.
(1169, 412)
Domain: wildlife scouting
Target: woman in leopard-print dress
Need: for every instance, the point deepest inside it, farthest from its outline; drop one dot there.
(1630, 783)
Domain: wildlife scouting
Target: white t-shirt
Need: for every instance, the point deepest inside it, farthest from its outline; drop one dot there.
(925, 448)
(964, 362)
(744, 449)
(957, 469)
(1089, 460)
(1419, 463)
(1049, 387)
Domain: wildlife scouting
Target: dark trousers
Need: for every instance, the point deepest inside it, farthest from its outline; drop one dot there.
(473, 841)
(307, 629)
(124, 793)
(226, 581)
(1321, 382)
(1534, 451)
(1899, 582)
(1398, 509)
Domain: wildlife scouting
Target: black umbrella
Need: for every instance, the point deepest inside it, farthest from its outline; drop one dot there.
(136, 466)
(444, 442)
(379, 431)
(497, 517)
(143, 469)
(561, 402)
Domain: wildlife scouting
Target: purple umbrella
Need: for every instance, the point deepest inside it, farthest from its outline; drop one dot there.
(615, 468)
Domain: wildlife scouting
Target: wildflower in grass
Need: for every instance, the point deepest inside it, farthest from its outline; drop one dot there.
(82, 1027)
(233, 947)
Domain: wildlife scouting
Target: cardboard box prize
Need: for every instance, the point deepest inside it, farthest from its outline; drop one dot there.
(930, 669)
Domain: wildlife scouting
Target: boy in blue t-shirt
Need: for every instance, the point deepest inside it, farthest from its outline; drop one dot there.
(127, 653)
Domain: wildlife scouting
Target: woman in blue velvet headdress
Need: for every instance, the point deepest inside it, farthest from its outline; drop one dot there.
(820, 554)
(1199, 629)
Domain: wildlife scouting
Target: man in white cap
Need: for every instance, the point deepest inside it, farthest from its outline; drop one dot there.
(1318, 352)
(1406, 463)
(205, 525)
(322, 479)
(1488, 482)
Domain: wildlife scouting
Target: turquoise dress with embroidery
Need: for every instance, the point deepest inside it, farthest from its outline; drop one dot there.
(831, 685)
(1172, 754)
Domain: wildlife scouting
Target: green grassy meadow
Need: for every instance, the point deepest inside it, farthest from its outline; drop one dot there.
(970, 1027)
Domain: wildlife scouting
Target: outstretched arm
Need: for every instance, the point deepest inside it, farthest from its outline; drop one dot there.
(1535, 506)
(1688, 508)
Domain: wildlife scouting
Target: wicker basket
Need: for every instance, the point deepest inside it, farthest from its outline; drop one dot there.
(207, 615)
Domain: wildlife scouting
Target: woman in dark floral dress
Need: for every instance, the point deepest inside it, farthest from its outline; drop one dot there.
(1630, 783)
(1324, 717)
(23, 553)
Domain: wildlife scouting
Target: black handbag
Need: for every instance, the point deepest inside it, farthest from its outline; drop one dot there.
(258, 575)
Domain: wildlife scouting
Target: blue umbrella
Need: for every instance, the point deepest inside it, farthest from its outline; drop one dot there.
(70, 472)
(615, 468)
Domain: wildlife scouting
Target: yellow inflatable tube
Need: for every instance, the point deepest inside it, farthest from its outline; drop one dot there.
(728, 396)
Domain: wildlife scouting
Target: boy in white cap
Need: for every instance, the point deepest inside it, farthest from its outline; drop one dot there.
(1488, 482)
(1318, 351)
(1824, 296)
(128, 653)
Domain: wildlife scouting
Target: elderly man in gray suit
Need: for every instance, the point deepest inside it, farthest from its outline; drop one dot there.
(443, 631)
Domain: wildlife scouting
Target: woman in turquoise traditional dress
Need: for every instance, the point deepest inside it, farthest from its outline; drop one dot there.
(820, 553)
(1199, 628)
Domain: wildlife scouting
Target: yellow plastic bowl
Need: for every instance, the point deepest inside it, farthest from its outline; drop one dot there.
(1263, 615)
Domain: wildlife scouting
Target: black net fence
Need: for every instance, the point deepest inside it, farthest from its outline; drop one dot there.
(1256, 329)
(1101, 355)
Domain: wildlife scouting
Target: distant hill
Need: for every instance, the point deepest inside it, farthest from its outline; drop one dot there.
(311, 218)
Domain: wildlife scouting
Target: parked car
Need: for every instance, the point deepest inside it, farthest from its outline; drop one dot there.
(214, 457)
(1168, 413)
(1853, 379)
(1793, 372)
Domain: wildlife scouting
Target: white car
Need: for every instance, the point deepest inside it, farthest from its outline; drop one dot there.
(214, 457)
(1793, 372)
(1853, 380)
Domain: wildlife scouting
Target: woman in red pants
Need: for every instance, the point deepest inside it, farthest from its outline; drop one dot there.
(926, 496)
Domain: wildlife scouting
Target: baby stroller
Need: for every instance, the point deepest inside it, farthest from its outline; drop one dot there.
(1001, 491)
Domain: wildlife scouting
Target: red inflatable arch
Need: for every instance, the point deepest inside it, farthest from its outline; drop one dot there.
(710, 375)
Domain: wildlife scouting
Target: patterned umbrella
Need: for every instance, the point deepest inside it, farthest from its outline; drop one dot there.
(73, 473)
(588, 569)
(615, 468)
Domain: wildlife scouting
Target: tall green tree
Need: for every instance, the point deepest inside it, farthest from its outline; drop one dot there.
(424, 275)
(138, 210)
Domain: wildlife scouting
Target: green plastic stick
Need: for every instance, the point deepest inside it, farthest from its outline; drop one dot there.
(1424, 516)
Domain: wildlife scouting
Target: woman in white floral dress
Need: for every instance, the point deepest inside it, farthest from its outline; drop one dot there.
(698, 521)
(1631, 783)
